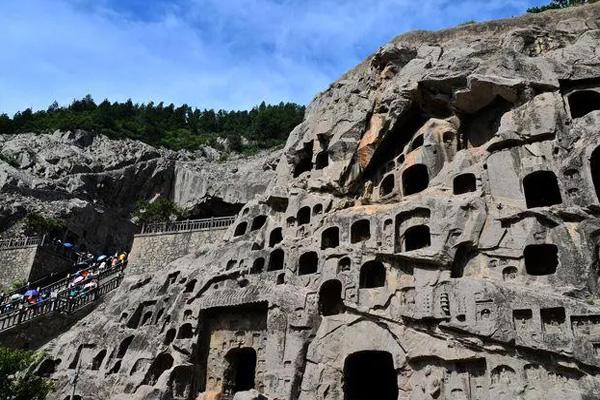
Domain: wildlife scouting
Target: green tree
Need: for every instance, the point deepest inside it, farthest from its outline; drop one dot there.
(557, 4)
(182, 127)
(160, 210)
(5, 124)
(17, 382)
(36, 224)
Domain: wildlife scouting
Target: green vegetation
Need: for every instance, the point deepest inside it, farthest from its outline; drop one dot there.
(10, 160)
(176, 128)
(17, 382)
(36, 224)
(160, 210)
(556, 4)
(469, 22)
(17, 284)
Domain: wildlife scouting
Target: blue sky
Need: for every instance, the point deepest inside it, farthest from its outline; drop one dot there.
(228, 54)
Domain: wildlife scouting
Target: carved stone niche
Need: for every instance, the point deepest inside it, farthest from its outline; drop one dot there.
(523, 323)
(586, 326)
(467, 379)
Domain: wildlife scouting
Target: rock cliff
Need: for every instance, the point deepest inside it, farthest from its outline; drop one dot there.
(91, 180)
(432, 233)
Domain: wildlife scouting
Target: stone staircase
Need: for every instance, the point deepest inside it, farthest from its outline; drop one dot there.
(108, 281)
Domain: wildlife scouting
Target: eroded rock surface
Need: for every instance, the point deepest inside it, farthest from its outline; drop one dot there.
(90, 180)
(432, 233)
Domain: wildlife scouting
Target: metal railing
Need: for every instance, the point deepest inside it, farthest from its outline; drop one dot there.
(62, 284)
(15, 243)
(205, 224)
(58, 304)
(42, 241)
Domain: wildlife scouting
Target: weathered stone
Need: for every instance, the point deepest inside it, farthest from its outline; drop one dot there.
(446, 248)
(92, 181)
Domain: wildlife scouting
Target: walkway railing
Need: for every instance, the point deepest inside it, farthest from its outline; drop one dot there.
(15, 243)
(42, 241)
(205, 224)
(62, 284)
(60, 304)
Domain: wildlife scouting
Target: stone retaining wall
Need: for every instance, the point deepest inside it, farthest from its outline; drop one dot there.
(150, 252)
(29, 264)
(15, 265)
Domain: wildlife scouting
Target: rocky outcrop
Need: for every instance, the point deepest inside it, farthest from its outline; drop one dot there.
(91, 180)
(432, 233)
(218, 188)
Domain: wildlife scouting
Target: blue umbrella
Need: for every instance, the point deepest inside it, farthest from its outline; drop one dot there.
(103, 257)
(31, 292)
(68, 245)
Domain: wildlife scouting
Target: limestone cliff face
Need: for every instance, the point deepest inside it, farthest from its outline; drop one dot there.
(91, 180)
(432, 233)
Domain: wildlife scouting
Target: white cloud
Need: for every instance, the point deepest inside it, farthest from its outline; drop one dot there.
(207, 53)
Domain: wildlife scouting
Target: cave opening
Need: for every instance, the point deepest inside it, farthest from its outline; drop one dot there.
(276, 236)
(98, 359)
(541, 189)
(415, 179)
(464, 253)
(308, 263)
(330, 298)
(258, 266)
(370, 375)
(186, 331)
(276, 260)
(387, 185)
(240, 229)
(322, 160)
(372, 275)
(541, 259)
(481, 126)
(595, 169)
(304, 162)
(417, 142)
(303, 215)
(170, 336)
(417, 237)
(464, 183)
(583, 102)
(240, 371)
(330, 238)
(258, 222)
(360, 231)
(160, 364)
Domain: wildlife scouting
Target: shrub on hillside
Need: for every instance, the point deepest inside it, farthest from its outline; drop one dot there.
(17, 382)
(557, 4)
(36, 224)
(160, 210)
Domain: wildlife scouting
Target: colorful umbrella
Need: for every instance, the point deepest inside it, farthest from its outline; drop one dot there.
(31, 292)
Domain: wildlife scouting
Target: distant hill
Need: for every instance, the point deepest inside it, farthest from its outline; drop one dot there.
(176, 128)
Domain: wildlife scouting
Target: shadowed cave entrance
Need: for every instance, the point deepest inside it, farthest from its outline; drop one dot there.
(583, 102)
(330, 298)
(241, 369)
(595, 167)
(541, 189)
(370, 375)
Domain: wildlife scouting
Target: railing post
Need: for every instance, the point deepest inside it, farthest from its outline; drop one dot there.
(43, 240)
(20, 317)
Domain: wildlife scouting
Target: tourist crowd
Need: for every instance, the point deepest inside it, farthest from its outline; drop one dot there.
(83, 281)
